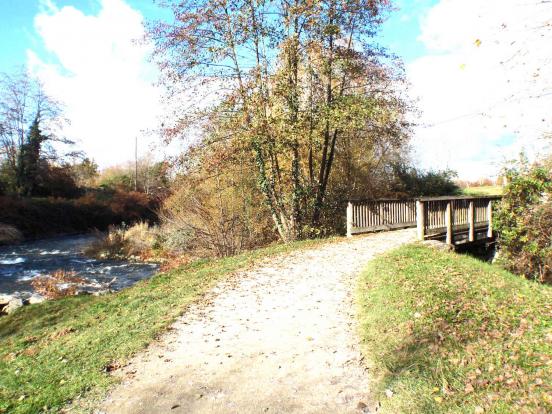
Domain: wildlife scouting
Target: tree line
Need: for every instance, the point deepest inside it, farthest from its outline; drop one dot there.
(38, 160)
(287, 110)
(308, 111)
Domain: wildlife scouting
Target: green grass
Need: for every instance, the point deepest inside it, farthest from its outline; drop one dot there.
(450, 334)
(55, 351)
(484, 190)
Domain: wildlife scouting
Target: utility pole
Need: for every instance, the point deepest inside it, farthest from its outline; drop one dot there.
(136, 164)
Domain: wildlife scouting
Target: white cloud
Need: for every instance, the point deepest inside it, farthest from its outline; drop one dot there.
(102, 74)
(485, 87)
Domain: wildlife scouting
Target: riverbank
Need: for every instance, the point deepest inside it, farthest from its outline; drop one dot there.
(35, 218)
(57, 350)
(446, 333)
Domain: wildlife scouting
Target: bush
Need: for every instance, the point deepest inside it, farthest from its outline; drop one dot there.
(56, 181)
(524, 223)
(535, 259)
(216, 208)
(49, 180)
(139, 240)
(109, 246)
(215, 219)
(411, 182)
(58, 284)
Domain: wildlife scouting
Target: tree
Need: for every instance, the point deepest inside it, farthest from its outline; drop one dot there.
(28, 159)
(117, 178)
(153, 176)
(298, 82)
(85, 172)
(30, 121)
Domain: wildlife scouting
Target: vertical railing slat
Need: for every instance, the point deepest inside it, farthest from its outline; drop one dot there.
(471, 222)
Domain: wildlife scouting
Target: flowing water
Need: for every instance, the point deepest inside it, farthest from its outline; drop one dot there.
(20, 264)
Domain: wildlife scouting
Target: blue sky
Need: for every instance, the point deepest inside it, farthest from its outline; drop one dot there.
(399, 33)
(474, 111)
(18, 33)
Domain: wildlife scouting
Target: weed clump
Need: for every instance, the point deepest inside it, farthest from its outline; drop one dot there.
(58, 284)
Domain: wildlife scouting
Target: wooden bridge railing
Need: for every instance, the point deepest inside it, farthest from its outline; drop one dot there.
(452, 219)
(364, 216)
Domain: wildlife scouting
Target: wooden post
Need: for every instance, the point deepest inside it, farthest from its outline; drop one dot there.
(448, 222)
(420, 219)
(471, 222)
(349, 219)
(490, 217)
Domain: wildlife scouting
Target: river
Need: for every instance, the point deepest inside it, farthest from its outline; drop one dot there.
(20, 264)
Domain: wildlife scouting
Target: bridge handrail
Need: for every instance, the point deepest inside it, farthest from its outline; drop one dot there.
(468, 197)
(432, 216)
(382, 214)
(446, 216)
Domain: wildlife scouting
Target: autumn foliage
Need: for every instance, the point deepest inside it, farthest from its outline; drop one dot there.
(305, 98)
(58, 284)
(524, 222)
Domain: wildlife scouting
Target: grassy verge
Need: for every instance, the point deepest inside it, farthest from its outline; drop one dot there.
(449, 334)
(54, 351)
(484, 190)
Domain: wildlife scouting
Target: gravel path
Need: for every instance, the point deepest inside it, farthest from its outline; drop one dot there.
(279, 338)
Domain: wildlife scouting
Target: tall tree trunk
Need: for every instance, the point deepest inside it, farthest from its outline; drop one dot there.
(321, 187)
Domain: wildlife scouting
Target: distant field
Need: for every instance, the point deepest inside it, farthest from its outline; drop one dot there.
(483, 190)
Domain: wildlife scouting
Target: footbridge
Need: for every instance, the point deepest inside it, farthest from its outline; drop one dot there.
(453, 220)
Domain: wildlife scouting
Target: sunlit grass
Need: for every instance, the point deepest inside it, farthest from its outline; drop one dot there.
(55, 351)
(449, 334)
(484, 190)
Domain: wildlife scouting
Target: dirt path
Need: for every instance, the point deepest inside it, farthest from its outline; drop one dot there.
(279, 339)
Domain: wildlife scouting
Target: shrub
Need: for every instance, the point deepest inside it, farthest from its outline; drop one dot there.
(119, 178)
(215, 218)
(56, 181)
(410, 181)
(57, 285)
(139, 240)
(524, 223)
(109, 246)
(216, 208)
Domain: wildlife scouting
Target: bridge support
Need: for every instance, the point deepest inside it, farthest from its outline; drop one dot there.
(349, 219)
(471, 223)
(490, 216)
(448, 222)
(420, 220)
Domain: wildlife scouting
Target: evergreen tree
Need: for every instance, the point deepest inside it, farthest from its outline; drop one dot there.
(29, 158)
